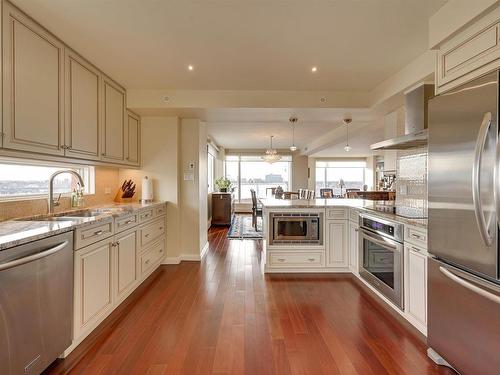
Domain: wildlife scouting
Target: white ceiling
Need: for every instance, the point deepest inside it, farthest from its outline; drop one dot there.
(251, 127)
(242, 44)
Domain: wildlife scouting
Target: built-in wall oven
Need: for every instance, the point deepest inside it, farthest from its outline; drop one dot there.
(381, 256)
(296, 228)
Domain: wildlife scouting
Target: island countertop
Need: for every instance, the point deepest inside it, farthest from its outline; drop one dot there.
(23, 230)
(359, 204)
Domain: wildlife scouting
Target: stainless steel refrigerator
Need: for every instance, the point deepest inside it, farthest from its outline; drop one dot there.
(464, 208)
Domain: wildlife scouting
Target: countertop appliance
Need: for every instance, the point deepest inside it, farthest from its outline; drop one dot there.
(464, 206)
(296, 228)
(36, 304)
(381, 256)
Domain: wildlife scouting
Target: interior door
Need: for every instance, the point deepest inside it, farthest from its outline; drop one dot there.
(463, 135)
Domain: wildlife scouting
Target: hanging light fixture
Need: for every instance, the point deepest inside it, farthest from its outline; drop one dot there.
(293, 121)
(271, 154)
(347, 121)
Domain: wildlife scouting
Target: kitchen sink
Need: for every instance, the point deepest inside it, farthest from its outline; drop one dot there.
(68, 216)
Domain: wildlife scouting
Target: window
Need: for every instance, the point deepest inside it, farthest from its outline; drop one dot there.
(329, 174)
(251, 172)
(31, 179)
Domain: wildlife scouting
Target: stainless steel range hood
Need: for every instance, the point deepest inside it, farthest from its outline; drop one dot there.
(415, 121)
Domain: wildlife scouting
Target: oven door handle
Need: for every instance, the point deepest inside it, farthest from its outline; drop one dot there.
(382, 241)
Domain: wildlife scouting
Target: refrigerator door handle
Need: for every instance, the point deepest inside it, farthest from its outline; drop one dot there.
(496, 185)
(476, 190)
(468, 285)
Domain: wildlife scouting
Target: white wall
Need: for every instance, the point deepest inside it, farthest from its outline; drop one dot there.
(160, 161)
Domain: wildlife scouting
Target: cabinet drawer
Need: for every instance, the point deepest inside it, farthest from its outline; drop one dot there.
(416, 236)
(152, 231)
(354, 215)
(152, 256)
(146, 214)
(160, 210)
(125, 222)
(337, 213)
(89, 235)
(297, 259)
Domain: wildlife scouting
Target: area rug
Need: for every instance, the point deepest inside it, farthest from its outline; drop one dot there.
(241, 227)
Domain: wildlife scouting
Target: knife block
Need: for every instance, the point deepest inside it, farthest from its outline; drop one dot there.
(119, 199)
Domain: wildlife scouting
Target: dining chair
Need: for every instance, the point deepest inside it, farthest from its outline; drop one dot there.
(256, 210)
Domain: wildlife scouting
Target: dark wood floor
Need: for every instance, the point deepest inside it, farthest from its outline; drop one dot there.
(224, 316)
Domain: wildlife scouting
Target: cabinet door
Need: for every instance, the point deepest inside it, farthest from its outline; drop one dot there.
(127, 274)
(133, 139)
(33, 85)
(82, 108)
(416, 281)
(93, 285)
(113, 138)
(353, 247)
(336, 243)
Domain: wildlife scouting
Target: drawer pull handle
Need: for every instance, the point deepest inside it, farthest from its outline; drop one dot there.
(311, 259)
(129, 221)
(281, 259)
(146, 215)
(417, 236)
(161, 251)
(146, 235)
(415, 249)
(98, 232)
(160, 228)
(146, 262)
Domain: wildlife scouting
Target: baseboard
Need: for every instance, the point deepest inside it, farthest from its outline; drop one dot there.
(185, 257)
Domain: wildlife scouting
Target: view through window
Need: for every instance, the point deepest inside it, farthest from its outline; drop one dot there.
(24, 180)
(329, 174)
(251, 172)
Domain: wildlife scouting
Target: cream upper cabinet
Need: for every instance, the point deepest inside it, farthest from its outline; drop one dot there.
(336, 243)
(113, 135)
(93, 285)
(82, 130)
(133, 139)
(33, 85)
(127, 270)
(469, 54)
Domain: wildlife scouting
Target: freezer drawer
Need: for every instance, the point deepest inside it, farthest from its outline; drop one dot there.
(463, 319)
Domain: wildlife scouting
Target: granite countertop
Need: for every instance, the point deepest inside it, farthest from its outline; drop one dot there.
(18, 231)
(360, 204)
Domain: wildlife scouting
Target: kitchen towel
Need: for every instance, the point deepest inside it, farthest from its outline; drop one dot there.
(147, 189)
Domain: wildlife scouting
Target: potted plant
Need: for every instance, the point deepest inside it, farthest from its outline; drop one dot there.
(223, 184)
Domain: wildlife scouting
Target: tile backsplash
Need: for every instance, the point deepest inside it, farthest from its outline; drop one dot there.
(105, 177)
(411, 182)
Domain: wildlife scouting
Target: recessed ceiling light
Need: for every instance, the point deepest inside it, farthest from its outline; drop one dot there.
(314, 69)
(190, 67)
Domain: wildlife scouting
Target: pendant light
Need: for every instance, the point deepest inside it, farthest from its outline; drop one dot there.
(271, 154)
(347, 121)
(293, 121)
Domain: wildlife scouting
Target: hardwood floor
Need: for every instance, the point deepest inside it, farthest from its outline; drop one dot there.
(224, 316)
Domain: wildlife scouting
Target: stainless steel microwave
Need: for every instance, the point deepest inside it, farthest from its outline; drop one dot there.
(296, 228)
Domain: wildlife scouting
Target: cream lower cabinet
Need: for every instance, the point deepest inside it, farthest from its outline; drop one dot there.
(93, 297)
(416, 286)
(126, 264)
(353, 247)
(337, 243)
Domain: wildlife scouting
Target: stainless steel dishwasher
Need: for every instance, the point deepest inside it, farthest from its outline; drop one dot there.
(36, 304)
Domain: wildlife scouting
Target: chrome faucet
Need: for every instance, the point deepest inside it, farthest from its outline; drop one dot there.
(53, 203)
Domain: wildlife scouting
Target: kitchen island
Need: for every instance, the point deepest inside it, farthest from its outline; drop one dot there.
(324, 236)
